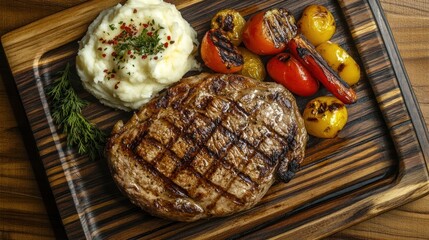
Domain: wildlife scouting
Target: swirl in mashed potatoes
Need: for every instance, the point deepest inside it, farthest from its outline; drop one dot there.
(132, 52)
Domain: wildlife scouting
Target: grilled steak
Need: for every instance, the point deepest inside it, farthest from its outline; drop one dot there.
(208, 146)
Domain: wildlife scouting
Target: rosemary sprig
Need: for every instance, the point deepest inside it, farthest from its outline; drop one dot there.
(66, 109)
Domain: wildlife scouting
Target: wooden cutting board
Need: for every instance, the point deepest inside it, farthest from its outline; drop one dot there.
(378, 162)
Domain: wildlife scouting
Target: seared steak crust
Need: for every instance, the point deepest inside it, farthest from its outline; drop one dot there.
(208, 146)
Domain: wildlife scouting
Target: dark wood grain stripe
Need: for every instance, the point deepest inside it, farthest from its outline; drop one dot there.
(375, 163)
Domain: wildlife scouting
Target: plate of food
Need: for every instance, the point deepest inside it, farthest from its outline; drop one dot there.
(218, 119)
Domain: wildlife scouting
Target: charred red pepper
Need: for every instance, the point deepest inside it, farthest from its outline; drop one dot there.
(311, 59)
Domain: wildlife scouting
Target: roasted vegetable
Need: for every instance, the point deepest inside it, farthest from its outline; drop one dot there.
(339, 60)
(219, 54)
(268, 32)
(325, 116)
(231, 22)
(253, 66)
(317, 24)
(289, 72)
(319, 68)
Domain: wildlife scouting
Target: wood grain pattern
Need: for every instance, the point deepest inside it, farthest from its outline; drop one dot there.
(363, 89)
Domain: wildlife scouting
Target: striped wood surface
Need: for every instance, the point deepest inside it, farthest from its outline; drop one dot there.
(342, 181)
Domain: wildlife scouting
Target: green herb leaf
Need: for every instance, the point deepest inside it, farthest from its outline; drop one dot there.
(146, 43)
(66, 109)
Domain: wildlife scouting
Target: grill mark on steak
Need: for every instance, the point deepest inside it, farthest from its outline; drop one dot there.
(190, 155)
(269, 160)
(170, 185)
(184, 163)
(170, 94)
(211, 116)
(266, 158)
(136, 141)
(187, 159)
(219, 189)
(178, 190)
(220, 159)
(237, 171)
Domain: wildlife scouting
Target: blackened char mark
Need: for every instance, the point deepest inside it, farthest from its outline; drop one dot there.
(163, 101)
(226, 23)
(276, 156)
(174, 96)
(335, 106)
(291, 138)
(185, 162)
(168, 183)
(280, 26)
(138, 139)
(218, 85)
(293, 167)
(203, 102)
(229, 53)
(182, 206)
(284, 101)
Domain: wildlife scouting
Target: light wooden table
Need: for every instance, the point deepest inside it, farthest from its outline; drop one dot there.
(22, 212)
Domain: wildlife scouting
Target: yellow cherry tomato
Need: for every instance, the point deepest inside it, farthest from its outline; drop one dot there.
(253, 66)
(339, 60)
(317, 24)
(325, 116)
(231, 22)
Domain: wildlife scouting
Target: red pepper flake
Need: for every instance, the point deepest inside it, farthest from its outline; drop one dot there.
(168, 38)
(166, 44)
(105, 70)
(155, 58)
(129, 52)
(144, 56)
(150, 34)
(99, 49)
(112, 75)
(117, 85)
(114, 54)
(135, 10)
(104, 55)
(145, 25)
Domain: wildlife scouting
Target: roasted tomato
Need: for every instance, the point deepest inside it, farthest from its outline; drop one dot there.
(289, 72)
(339, 60)
(253, 66)
(268, 32)
(219, 54)
(231, 22)
(324, 117)
(317, 24)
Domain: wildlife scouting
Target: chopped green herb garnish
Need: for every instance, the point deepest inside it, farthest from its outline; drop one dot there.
(146, 43)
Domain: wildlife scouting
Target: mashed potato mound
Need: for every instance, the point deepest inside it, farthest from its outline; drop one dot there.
(132, 52)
